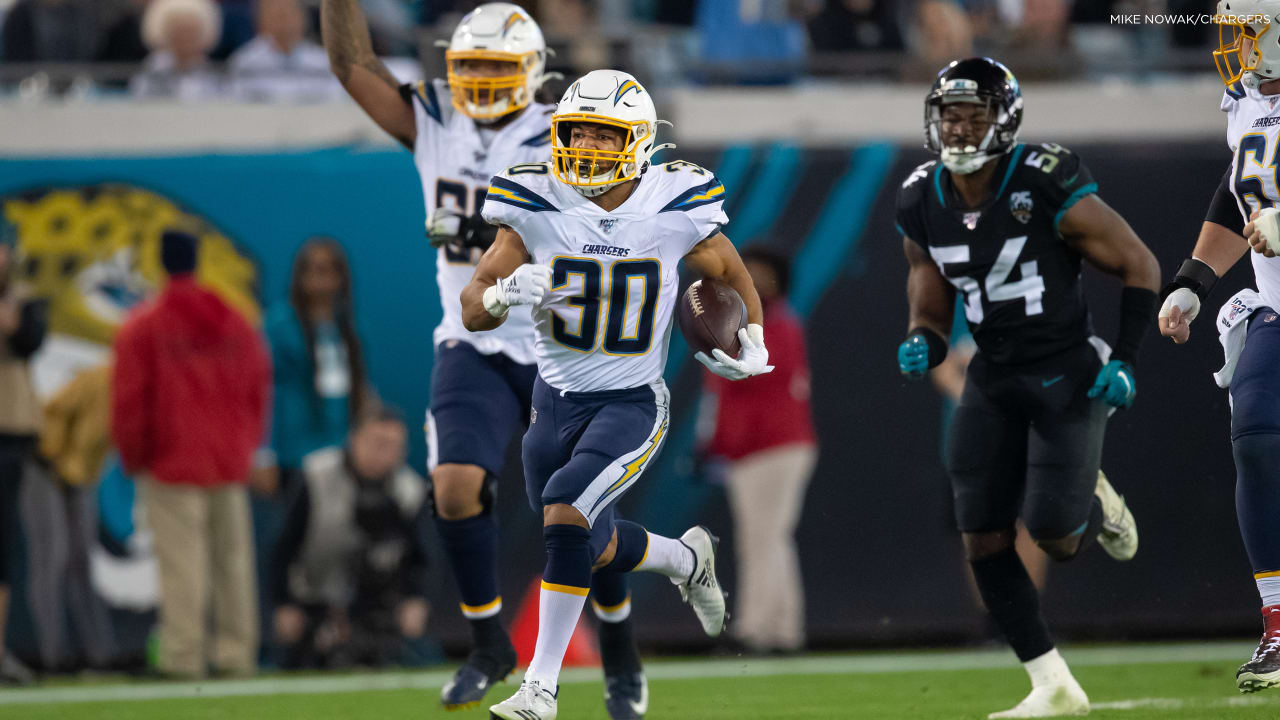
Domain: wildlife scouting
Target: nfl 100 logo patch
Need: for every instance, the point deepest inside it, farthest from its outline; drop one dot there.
(606, 225)
(1020, 206)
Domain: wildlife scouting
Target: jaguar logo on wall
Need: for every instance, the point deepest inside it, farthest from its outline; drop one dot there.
(93, 252)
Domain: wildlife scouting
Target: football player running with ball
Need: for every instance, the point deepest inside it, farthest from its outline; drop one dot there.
(1006, 225)
(461, 133)
(590, 241)
(1248, 323)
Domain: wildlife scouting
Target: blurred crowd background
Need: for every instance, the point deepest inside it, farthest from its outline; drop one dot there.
(264, 51)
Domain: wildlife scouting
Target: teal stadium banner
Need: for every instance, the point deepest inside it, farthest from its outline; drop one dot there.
(880, 560)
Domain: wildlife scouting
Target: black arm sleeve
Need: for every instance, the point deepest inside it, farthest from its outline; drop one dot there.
(31, 329)
(415, 575)
(1223, 210)
(290, 543)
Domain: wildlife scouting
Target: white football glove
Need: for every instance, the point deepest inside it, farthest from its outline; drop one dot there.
(1186, 300)
(753, 358)
(526, 286)
(444, 226)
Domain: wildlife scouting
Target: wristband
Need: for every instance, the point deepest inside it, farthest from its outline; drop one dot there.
(1137, 306)
(1196, 276)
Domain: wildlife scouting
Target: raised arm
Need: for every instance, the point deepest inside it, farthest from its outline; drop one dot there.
(716, 257)
(502, 279)
(931, 300)
(366, 79)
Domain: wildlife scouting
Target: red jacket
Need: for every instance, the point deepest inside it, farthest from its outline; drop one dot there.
(769, 410)
(190, 390)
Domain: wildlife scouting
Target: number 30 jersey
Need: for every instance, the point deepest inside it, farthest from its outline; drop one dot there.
(606, 323)
(455, 165)
(1018, 278)
(1253, 134)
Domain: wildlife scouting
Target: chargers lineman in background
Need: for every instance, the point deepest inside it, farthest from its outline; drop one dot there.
(1007, 225)
(591, 241)
(1248, 323)
(483, 120)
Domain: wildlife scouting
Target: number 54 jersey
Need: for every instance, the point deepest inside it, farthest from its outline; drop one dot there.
(1253, 134)
(606, 323)
(1017, 276)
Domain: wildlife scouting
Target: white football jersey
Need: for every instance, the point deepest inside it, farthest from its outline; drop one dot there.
(607, 320)
(455, 163)
(1253, 133)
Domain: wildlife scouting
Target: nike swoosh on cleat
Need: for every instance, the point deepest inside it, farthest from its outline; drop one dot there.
(1050, 381)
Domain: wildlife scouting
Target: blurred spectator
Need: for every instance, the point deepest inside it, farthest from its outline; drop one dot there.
(123, 40)
(60, 516)
(180, 34)
(53, 30)
(845, 25)
(764, 430)
(1037, 25)
(318, 386)
(752, 41)
(23, 322)
(319, 379)
(943, 33)
(280, 65)
(189, 397)
(349, 575)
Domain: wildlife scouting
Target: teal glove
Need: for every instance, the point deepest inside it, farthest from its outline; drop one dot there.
(913, 357)
(1115, 384)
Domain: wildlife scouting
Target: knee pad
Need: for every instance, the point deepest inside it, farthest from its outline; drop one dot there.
(488, 494)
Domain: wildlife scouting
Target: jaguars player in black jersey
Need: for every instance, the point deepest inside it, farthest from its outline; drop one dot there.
(1006, 225)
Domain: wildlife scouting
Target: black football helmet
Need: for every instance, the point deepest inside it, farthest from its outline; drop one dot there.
(981, 81)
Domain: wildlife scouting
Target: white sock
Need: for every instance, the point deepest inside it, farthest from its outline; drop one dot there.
(1269, 590)
(558, 613)
(666, 556)
(1048, 669)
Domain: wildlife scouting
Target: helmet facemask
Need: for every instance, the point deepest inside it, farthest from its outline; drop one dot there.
(491, 97)
(1230, 59)
(593, 172)
(1000, 137)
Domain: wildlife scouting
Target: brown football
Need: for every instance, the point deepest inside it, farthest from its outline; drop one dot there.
(711, 313)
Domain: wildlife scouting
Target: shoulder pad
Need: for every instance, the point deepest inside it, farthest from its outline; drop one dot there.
(523, 186)
(433, 97)
(913, 187)
(693, 186)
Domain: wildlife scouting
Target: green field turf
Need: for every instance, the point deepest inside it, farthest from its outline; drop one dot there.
(1130, 682)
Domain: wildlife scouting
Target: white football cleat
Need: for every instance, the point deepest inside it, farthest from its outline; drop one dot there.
(1065, 698)
(531, 702)
(1119, 533)
(701, 589)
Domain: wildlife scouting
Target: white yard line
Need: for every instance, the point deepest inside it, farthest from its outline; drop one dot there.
(859, 664)
(1176, 704)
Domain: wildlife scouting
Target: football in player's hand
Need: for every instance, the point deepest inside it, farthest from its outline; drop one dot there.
(711, 313)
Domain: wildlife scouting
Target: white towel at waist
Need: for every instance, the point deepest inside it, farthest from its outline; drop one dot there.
(1233, 328)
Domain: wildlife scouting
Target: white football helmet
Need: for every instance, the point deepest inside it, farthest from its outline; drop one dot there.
(1254, 19)
(497, 32)
(604, 97)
